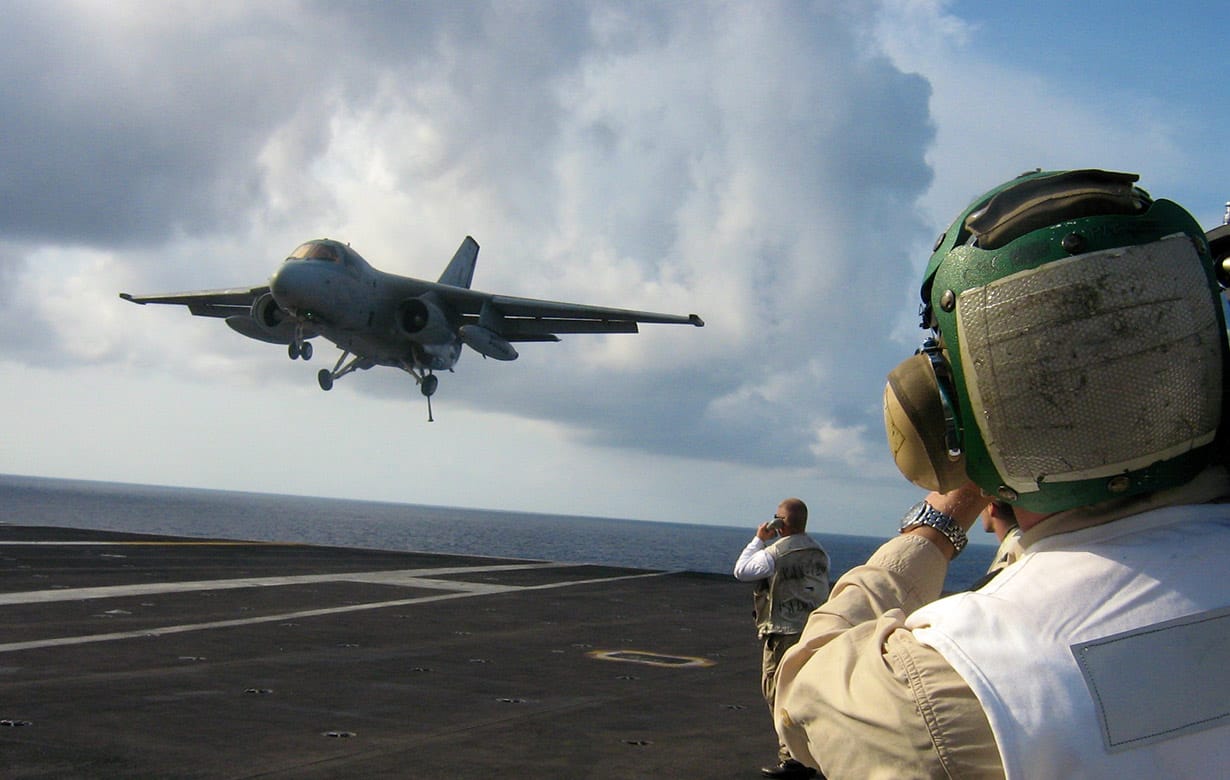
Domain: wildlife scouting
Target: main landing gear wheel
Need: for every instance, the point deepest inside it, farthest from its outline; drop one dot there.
(296, 350)
(325, 378)
(429, 385)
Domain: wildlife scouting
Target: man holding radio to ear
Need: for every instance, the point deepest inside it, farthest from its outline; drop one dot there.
(792, 579)
(1074, 371)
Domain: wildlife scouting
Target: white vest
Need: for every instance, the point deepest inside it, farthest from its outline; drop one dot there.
(1105, 652)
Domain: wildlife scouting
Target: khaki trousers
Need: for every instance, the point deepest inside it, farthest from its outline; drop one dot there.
(775, 646)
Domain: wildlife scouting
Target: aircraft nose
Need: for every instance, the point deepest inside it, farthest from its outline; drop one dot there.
(287, 285)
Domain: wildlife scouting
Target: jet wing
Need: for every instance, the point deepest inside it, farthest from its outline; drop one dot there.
(529, 307)
(207, 303)
(530, 319)
(236, 306)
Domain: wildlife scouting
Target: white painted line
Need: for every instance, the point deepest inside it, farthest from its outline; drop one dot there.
(302, 614)
(420, 578)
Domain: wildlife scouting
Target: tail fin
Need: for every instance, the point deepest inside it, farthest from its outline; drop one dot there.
(460, 270)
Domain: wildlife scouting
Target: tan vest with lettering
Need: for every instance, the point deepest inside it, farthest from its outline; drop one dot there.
(799, 584)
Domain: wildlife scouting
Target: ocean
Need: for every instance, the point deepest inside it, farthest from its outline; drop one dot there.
(390, 526)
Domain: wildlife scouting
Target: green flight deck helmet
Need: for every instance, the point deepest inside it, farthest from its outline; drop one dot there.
(1077, 348)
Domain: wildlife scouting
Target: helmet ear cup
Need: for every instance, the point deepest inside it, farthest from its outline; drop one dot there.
(920, 422)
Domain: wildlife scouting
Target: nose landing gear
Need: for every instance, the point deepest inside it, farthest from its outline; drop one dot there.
(296, 351)
(299, 347)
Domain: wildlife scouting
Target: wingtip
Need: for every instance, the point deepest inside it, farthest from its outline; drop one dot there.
(696, 320)
(128, 297)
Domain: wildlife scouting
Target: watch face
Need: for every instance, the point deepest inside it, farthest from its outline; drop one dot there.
(915, 512)
(923, 513)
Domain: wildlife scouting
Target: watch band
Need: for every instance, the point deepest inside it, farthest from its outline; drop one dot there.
(923, 513)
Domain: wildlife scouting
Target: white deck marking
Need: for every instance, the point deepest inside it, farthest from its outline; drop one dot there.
(406, 578)
(418, 578)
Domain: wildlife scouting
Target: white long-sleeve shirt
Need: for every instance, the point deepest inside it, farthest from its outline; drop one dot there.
(754, 562)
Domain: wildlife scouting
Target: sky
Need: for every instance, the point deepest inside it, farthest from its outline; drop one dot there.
(780, 168)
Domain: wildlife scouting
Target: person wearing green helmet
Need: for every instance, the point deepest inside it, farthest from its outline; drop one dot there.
(1074, 373)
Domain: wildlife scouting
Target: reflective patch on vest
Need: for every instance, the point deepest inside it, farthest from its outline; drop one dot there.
(1160, 681)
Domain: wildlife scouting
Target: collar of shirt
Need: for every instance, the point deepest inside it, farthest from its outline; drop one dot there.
(1209, 485)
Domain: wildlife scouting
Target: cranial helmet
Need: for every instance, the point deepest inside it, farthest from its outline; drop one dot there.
(1077, 347)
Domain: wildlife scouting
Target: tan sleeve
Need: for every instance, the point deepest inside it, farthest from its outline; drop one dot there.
(859, 696)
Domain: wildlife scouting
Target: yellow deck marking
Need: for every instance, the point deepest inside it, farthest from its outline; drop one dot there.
(650, 659)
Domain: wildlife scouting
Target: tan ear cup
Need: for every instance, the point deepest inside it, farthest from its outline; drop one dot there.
(914, 422)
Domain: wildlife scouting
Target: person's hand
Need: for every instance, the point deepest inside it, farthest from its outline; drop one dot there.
(765, 532)
(964, 504)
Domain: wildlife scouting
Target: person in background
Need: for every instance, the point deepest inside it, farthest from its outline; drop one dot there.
(999, 519)
(792, 578)
(1076, 371)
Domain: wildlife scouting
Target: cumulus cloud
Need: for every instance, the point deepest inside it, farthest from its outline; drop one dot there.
(757, 164)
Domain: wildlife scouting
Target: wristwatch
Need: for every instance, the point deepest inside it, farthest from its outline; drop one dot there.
(923, 513)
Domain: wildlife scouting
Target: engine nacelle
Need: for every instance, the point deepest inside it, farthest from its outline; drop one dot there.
(265, 321)
(267, 313)
(421, 320)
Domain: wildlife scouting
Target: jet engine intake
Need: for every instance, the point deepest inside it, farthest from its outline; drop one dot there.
(421, 320)
(265, 321)
(267, 313)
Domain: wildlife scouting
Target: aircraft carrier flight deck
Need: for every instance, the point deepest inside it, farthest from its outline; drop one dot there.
(136, 656)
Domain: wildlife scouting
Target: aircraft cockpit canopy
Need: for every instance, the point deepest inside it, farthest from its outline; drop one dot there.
(331, 252)
(318, 250)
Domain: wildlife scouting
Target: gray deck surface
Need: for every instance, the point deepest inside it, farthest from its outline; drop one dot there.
(124, 655)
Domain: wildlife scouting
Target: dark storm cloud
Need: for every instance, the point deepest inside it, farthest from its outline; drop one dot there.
(121, 132)
(126, 123)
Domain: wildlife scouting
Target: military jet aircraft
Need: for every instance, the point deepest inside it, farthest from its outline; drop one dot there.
(325, 288)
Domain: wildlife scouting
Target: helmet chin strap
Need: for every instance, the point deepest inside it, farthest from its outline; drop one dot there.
(943, 375)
